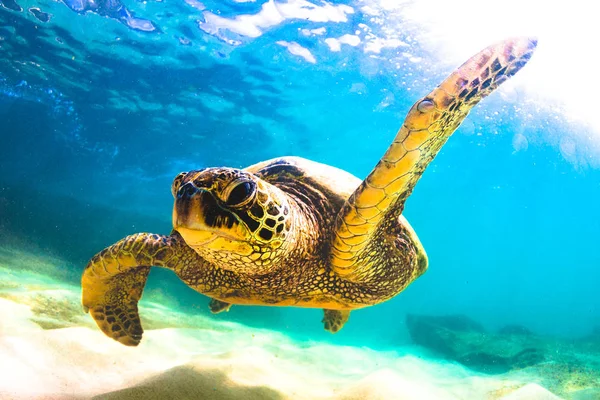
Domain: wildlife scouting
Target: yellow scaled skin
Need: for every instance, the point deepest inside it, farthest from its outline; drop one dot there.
(428, 125)
(292, 232)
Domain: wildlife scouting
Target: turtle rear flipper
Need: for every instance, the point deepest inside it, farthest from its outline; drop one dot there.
(218, 306)
(334, 320)
(113, 282)
(372, 210)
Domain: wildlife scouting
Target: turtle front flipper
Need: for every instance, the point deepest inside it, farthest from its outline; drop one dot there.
(114, 279)
(428, 125)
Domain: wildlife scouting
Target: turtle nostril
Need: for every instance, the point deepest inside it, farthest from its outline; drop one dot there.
(186, 191)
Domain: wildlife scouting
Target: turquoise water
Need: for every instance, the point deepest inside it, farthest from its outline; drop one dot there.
(100, 110)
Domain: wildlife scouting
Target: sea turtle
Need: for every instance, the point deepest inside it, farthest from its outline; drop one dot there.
(293, 232)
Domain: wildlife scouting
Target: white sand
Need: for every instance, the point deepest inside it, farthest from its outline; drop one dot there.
(197, 357)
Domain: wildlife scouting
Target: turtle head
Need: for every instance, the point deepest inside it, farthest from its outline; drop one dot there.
(233, 219)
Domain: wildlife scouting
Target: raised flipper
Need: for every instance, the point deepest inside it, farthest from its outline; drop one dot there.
(428, 125)
(334, 320)
(113, 281)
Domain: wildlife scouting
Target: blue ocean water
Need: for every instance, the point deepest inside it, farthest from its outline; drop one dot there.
(102, 103)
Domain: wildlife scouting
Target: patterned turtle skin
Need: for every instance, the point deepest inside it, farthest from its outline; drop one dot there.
(293, 232)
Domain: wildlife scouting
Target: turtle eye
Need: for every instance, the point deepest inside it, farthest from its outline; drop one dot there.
(240, 193)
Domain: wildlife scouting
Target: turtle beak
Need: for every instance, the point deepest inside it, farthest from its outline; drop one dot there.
(192, 204)
(198, 217)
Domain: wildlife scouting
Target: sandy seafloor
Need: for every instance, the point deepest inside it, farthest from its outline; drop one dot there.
(50, 349)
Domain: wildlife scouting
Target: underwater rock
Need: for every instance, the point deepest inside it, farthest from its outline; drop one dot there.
(461, 339)
(514, 330)
(565, 366)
